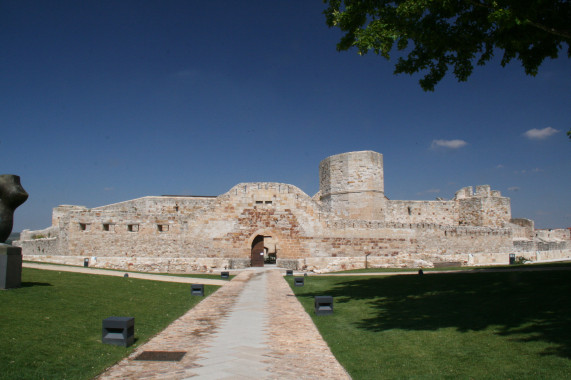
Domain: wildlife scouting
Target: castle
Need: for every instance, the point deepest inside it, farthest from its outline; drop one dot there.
(349, 223)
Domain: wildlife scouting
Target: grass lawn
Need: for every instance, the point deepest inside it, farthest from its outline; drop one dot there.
(475, 268)
(512, 325)
(193, 275)
(50, 328)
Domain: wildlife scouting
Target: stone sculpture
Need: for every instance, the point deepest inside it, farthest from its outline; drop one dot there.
(12, 195)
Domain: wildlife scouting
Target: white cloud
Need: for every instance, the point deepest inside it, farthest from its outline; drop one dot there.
(513, 188)
(450, 144)
(108, 188)
(526, 171)
(540, 134)
(500, 166)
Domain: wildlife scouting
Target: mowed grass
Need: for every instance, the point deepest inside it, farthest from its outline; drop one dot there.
(50, 328)
(513, 325)
(192, 275)
(529, 266)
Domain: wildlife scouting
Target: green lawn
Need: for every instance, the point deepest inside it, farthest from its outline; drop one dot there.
(474, 268)
(193, 275)
(50, 328)
(513, 325)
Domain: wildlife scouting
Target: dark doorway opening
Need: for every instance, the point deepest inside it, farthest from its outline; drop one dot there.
(270, 258)
(257, 255)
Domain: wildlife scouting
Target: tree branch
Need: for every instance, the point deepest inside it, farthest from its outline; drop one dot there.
(566, 34)
(560, 33)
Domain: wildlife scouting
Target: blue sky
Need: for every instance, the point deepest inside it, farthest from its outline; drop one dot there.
(105, 101)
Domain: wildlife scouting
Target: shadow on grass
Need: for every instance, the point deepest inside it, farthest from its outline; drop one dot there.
(30, 284)
(524, 306)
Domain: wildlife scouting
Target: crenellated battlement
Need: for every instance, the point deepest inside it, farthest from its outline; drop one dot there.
(482, 191)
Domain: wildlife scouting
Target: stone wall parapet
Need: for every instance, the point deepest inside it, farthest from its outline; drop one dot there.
(457, 230)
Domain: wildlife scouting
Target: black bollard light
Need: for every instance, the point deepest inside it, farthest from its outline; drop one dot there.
(323, 305)
(197, 290)
(118, 331)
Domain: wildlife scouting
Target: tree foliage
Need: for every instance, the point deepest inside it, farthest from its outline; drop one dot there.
(435, 35)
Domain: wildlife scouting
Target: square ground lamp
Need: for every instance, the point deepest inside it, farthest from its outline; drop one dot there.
(323, 305)
(197, 290)
(118, 331)
(289, 272)
(225, 275)
(298, 281)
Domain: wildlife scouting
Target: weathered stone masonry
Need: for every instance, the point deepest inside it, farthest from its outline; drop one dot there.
(349, 223)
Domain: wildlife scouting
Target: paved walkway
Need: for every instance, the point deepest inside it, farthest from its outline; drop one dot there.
(238, 348)
(251, 328)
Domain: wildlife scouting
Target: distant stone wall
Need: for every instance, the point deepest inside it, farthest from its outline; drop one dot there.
(413, 212)
(146, 264)
(40, 234)
(224, 228)
(524, 245)
(347, 221)
(522, 228)
(544, 240)
(563, 234)
(545, 256)
(221, 227)
(415, 261)
(45, 246)
(482, 208)
(310, 264)
(161, 205)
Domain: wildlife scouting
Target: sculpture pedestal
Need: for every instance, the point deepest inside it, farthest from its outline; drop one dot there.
(10, 266)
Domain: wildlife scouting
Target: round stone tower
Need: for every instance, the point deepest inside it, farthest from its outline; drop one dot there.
(352, 185)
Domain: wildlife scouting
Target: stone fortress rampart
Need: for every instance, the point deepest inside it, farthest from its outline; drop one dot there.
(349, 223)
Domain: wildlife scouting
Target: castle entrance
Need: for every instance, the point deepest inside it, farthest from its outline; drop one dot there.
(257, 254)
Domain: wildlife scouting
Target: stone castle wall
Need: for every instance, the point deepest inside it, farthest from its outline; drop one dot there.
(561, 234)
(350, 221)
(414, 212)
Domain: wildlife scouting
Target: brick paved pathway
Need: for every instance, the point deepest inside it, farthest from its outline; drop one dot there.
(251, 328)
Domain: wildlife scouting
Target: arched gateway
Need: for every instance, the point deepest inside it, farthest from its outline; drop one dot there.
(257, 254)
